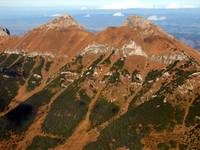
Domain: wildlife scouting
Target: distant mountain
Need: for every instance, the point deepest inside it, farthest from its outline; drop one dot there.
(61, 36)
(129, 87)
(4, 31)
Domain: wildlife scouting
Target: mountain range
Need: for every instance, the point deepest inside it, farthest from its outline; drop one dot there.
(129, 87)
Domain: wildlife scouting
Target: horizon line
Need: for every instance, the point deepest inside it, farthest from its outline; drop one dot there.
(90, 8)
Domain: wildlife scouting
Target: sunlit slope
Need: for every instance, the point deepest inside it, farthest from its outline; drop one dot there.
(133, 87)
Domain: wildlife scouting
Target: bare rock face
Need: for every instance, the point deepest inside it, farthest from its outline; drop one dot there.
(138, 22)
(4, 31)
(62, 22)
(133, 49)
(146, 27)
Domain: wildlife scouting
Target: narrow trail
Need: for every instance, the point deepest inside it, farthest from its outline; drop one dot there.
(14, 62)
(80, 136)
(23, 94)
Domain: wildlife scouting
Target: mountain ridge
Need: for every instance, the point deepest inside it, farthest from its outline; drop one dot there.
(130, 87)
(142, 28)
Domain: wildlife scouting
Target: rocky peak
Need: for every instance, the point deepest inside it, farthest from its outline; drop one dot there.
(138, 22)
(4, 31)
(146, 27)
(62, 22)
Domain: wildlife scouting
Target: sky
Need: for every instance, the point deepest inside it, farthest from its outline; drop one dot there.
(103, 4)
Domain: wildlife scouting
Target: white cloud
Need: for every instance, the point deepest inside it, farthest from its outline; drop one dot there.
(56, 15)
(125, 4)
(84, 8)
(87, 16)
(157, 18)
(179, 6)
(118, 14)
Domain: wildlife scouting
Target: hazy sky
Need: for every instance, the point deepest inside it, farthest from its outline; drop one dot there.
(104, 4)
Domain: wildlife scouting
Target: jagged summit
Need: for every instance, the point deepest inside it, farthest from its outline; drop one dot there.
(145, 27)
(61, 22)
(138, 21)
(4, 31)
(62, 35)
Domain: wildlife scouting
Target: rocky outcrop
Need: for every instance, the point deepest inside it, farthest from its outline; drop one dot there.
(128, 49)
(146, 27)
(96, 48)
(133, 49)
(4, 31)
(62, 22)
(138, 22)
(169, 58)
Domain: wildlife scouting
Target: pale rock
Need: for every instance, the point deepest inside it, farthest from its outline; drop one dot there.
(4, 31)
(62, 22)
(132, 48)
(96, 49)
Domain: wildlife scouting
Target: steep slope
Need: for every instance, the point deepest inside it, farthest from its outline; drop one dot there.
(132, 87)
(60, 36)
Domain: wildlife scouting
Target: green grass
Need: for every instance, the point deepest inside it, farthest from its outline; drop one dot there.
(33, 82)
(15, 77)
(171, 144)
(103, 111)
(48, 65)
(10, 59)
(2, 57)
(9, 89)
(171, 66)
(163, 146)
(193, 113)
(180, 78)
(18, 67)
(67, 111)
(119, 64)
(43, 143)
(28, 65)
(90, 70)
(76, 65)
(183, 147)
(107, 61)
(153, 75)
(179, 114)
(69, 108)
(38, 69)
(114, 78)
(19, 119)
(122, 132)
(19, 63)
